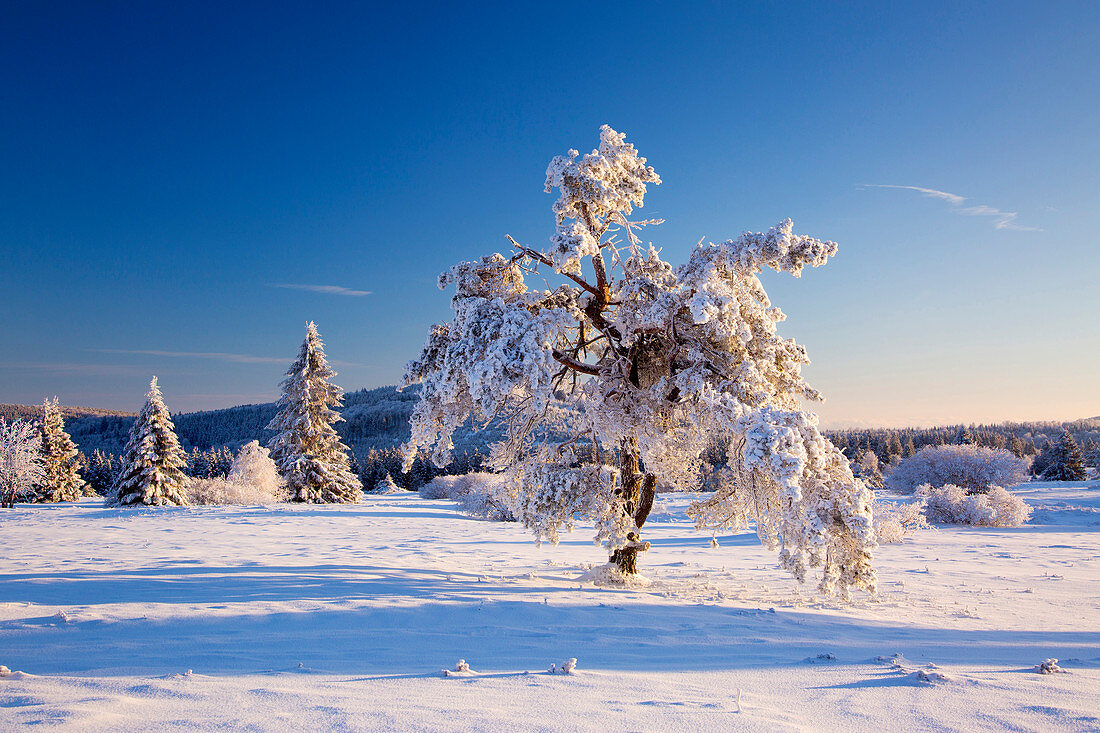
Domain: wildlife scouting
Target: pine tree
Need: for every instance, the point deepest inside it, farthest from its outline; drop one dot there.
(307, 450)
(1064, 461)
(151, 467)
(1092, 455)
(60, 458)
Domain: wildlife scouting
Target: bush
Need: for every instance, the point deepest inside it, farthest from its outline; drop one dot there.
(220, 491)
(894, 523)
(995, 508)
(971, 467)
(254, 468)
(476, 493)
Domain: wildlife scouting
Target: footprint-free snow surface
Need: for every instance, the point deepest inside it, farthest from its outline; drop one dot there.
(344, 618)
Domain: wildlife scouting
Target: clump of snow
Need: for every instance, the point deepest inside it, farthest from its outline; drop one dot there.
(929, 676)
(609, 574)
(952, 505)
(1048, 666)
(566, 667)
(462, 669)
(4, 671)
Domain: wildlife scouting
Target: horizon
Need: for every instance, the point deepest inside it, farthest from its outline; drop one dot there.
(185, 188)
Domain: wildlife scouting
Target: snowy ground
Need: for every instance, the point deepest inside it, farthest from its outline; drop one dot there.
(341, 618)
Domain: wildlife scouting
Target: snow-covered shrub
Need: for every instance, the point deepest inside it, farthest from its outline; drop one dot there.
(972, 467)
(253, 479)
(893, 523)
(254, 467)
(478, 494)
(440, 487)
(1048, 666)
(222, 492)
(995, 508)
(20, 462)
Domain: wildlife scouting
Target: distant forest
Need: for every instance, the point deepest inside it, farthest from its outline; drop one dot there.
(377, 421)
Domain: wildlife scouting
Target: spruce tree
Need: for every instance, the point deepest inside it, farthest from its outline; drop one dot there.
(100, 473)
(60, 459)
(151, 467)
(1064, 461)
(307, 449)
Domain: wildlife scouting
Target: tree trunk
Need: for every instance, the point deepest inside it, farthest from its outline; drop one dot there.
(637, 490)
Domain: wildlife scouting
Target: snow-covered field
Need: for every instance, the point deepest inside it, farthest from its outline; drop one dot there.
(342, 618)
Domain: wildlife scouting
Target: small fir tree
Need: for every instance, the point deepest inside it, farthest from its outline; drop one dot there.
(307, 449)
(60, 458)
(151, 467)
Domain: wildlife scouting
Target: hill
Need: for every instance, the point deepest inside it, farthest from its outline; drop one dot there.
(33, 412)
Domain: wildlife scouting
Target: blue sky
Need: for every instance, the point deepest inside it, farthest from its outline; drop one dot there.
(167, 167)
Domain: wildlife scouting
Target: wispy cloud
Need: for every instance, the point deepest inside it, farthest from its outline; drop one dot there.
(218, 356)
(326, 289)
(108, 370)
(1001, 219)
(215, 355)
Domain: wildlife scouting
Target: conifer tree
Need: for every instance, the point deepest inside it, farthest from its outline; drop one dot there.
(1064, 461)
(151, 467)
(307, 449)
(100, 474)
(60, 458)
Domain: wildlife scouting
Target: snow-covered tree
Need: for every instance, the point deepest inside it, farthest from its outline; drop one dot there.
(969, 466)
(151, 467)
(654, 362)
(20, 461)
(100, 473)
(60, 458)
(253, 466)
(869, 469)
(307, 449)
(1062, 460)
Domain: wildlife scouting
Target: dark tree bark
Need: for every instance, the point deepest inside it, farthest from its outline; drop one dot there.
(637, 490)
